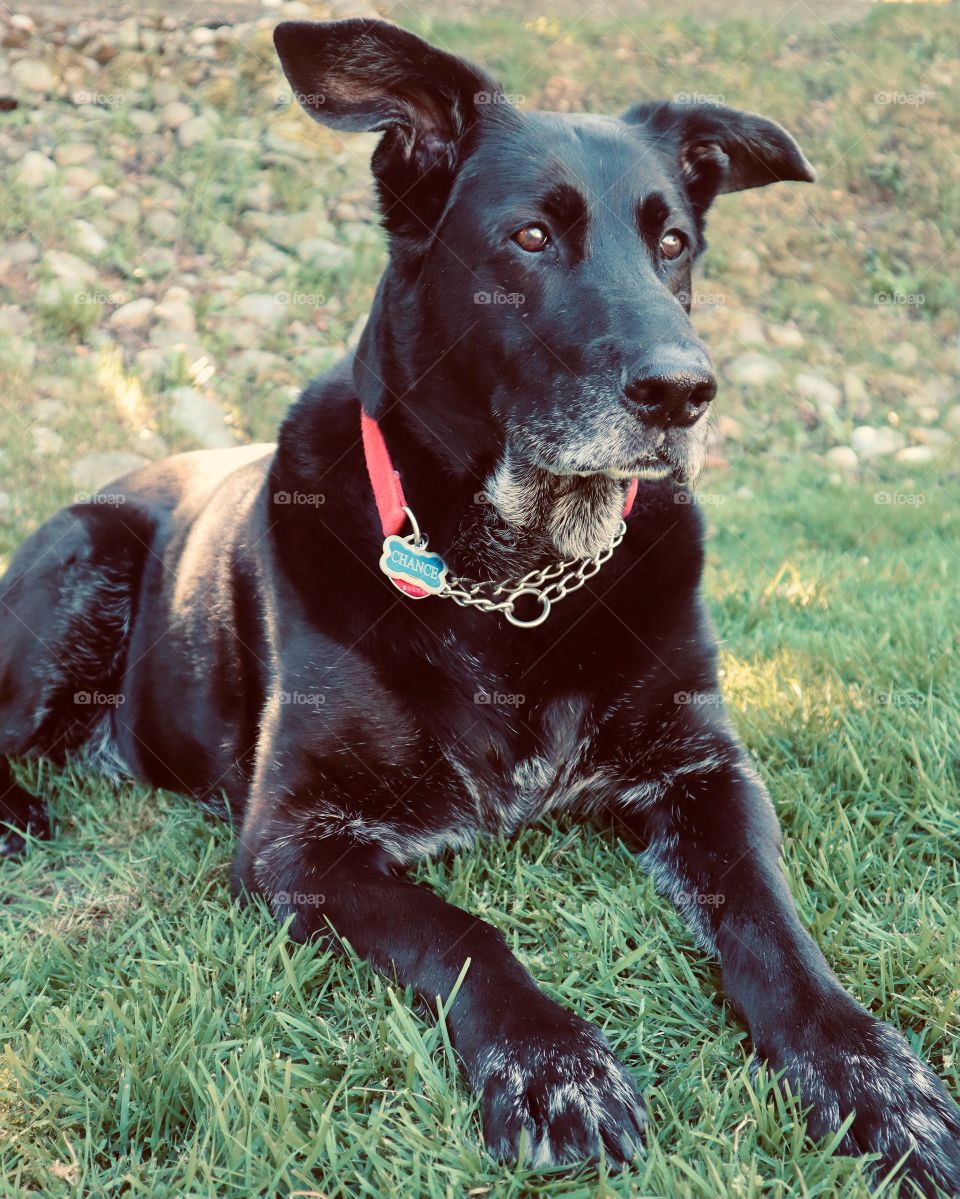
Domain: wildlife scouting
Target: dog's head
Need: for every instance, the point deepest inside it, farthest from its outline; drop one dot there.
(540, 263)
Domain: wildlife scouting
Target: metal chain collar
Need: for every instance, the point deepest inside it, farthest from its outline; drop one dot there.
(549, 585)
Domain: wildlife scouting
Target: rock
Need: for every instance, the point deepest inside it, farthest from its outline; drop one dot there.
(68, 269)
(854, 388)
(162, 224)
(932, 437)
(152, 444)
(87, 238)
(125, 209)
(749, 330)
(821, 391)
(261, 307)
(6, 502)
(843, 458)
(323, 254)
(35, 169)
(906, 355)
(14, 322)
(48, 410)
(200, 418)
(33, 75)
(787, 336)
(172, 116)
(94, 471)
(259, 363)
(19, 253)
(915, 455)
(195, 132)
(82, 179)
(175, 311)
(143, 121)
(753, 370)
(133, 315)
(872, 442)
(747, 262)
(46, 442)
(951, 422)
(74, 154)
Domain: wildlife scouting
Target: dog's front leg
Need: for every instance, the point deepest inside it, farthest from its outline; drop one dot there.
(711, 841)
(539, 1069)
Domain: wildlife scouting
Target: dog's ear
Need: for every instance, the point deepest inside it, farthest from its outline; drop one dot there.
(367, 75)
(721, 149)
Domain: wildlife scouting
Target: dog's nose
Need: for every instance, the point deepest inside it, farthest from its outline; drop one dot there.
(671, 391)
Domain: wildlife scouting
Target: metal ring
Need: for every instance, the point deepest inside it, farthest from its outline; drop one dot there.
(416, 528)
(528, 624)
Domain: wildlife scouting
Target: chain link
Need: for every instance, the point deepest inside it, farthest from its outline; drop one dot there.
(548, 585)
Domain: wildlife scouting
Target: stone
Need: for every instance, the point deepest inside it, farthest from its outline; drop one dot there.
(93, 471)
(749, 330)
(787, 336)
(195, 132)
(843, 458)
(46, 442)
(176, 312)
(14, 322)
(173, 115)
(323, 254)
(821, 391)
(35, 169)
(261, 307)
(87, 238)
(915, 455)
(201, 418)
(68, 269)
(854, 388)
(74, 154)
(753, 370)
(33, 75)
(875, 442)
(133, 315)
(906, 355)
(951, 422)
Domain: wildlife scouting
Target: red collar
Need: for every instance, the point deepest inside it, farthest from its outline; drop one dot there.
(387, 490)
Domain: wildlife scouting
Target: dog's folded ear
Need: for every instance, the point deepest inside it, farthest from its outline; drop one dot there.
(721, 149)
(367, 75)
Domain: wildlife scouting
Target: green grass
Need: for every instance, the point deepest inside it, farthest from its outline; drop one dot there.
(158, 1042)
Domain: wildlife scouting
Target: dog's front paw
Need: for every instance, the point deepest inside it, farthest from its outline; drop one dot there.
(852, 1062)
(560, 1092)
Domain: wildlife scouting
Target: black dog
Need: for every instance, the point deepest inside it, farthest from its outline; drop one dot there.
(530, 373)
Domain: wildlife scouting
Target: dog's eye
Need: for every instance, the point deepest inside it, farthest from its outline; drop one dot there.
(672, 244)
(532, 238)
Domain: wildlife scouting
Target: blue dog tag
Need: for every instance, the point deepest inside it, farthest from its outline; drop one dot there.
(415, 571)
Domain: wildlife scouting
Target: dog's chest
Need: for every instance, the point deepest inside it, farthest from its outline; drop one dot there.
(534, 763)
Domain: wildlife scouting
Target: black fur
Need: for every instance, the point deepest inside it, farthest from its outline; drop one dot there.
(227, 612)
